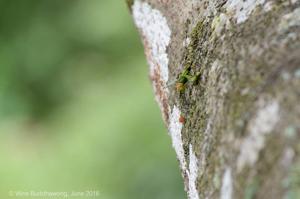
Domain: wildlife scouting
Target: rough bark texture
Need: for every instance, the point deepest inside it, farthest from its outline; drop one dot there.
(226, 74)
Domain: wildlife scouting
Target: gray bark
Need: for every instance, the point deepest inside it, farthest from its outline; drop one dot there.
(226, 75)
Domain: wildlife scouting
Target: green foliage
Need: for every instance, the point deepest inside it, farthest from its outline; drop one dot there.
(73, 117)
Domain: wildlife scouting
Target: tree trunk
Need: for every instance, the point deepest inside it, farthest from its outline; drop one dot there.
(226, 75)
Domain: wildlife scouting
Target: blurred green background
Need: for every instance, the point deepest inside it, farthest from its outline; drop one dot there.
(77, 108)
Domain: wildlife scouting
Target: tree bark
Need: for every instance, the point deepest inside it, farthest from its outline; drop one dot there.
(226, 75)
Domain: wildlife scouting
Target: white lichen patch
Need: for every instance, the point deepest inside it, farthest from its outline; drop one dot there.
(219, 76)
(297, 73)
(287, 157)
(227, 187)
(241, 10)
(268, 6)
(186, 42)
(210, 8)
(262, 124)
(154, 27)
(220, 23)
(290, 20)
(156, 35)
(285, 75)
(175, 128)
(193, 174)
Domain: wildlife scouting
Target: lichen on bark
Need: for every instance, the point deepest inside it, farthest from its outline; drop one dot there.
(242, 117)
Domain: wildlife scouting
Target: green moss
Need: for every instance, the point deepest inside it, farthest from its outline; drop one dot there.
(251, 189)
(193, 46)
(188, 74)
(217, 180)
(292, 183)
(195, 63)
(290, 132)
